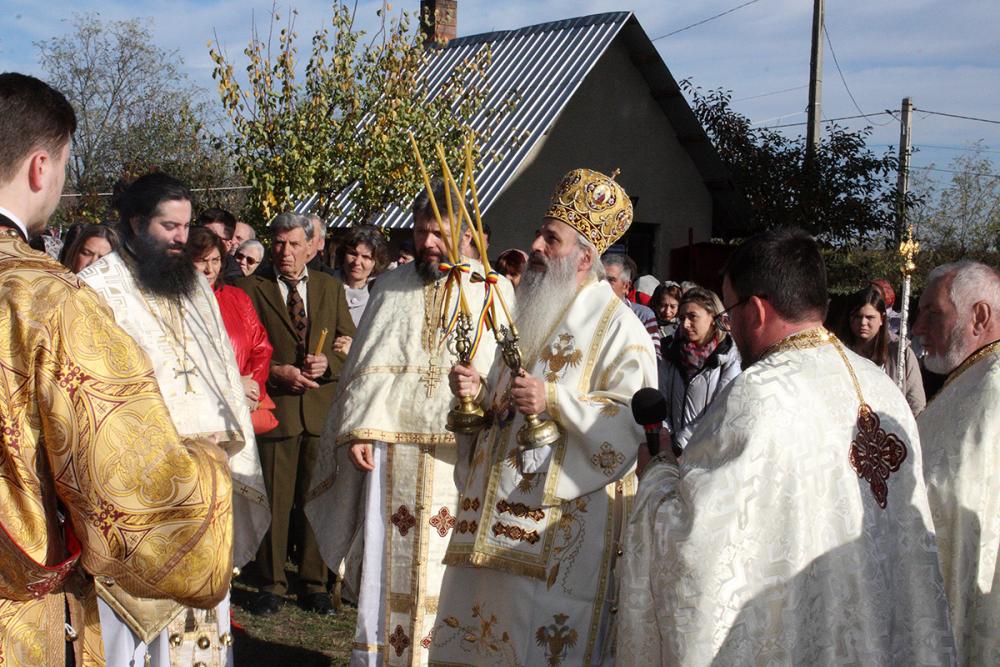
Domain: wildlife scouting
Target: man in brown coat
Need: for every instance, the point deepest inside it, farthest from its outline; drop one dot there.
(296, 306)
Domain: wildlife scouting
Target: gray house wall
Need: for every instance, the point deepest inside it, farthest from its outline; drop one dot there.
(611, 122)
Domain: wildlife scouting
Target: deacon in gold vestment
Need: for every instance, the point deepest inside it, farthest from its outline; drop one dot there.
(94, 478)
(391, 408)
(531, 562)
(959, 327)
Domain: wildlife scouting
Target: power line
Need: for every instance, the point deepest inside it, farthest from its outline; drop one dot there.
(948, 148)
(955, 171)
(843, 79)
(773, 92)
(703, 21)
(955, 115)
(833, 120)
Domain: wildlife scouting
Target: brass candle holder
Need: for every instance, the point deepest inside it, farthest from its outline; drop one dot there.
(467, 417)
(535, 432)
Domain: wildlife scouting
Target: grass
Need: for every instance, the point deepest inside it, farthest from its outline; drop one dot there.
(292, 636)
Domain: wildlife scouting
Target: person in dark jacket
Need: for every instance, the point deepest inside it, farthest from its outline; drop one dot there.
(700, 361)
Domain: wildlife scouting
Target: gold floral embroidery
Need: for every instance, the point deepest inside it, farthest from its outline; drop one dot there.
(607, 459)
(520, 510)
(557, 638)
(515, 533)
(559, 357)
(482, 635)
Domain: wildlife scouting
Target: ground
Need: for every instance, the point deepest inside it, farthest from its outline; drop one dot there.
(290, 637)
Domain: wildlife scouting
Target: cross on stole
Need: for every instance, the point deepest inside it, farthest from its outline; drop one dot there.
(431, 377)
(187, 372)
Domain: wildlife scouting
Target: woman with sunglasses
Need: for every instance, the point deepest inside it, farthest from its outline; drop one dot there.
(701, 360)
(249, 255)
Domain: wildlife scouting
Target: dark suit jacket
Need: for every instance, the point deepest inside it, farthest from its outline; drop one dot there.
(326, 303)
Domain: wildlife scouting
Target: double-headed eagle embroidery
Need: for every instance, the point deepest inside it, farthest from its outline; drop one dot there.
(559, 356)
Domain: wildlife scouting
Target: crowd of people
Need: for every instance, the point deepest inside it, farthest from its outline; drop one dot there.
(181, 398)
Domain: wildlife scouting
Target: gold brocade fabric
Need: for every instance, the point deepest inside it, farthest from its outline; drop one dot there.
(84, 430)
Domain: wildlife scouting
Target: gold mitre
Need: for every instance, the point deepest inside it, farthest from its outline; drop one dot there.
(594, 205)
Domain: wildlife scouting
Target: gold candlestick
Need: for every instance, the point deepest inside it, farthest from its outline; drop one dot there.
(535, 432)
(467, 417)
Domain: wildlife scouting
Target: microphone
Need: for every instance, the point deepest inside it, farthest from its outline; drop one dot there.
(649, 409)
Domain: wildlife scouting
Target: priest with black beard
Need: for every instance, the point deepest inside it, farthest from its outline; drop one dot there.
(168, 308)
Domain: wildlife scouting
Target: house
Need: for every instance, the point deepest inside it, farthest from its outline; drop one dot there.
(594, 93)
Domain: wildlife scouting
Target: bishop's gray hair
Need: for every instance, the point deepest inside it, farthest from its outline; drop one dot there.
(286, 222)
(973, 282)
(597, 265)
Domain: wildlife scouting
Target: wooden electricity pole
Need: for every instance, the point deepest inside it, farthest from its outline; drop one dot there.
(903, 173)
(815, 84)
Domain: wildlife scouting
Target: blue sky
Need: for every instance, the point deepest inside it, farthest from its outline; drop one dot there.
(944, 55)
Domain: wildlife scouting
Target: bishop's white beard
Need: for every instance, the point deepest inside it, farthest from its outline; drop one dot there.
(541, 299)
(955, 354)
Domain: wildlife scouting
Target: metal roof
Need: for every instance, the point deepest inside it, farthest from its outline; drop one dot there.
(545, 64)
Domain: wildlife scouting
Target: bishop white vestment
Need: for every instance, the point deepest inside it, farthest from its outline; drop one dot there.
(196, 371)
(960, 438)
(394, 391)
(531, 560)
(769, 545)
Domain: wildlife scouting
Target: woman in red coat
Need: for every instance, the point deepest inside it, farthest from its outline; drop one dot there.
(246, 333)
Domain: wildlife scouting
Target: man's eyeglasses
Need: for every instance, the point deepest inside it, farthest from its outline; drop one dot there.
(721, 321)
(240, 257)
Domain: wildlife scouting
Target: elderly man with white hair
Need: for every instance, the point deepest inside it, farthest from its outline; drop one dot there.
(959, 327)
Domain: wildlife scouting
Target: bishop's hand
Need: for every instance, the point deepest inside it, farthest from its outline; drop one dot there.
(528, 394)
(464, 381)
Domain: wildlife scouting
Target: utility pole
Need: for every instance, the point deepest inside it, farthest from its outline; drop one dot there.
(903, 173)
(815, 84)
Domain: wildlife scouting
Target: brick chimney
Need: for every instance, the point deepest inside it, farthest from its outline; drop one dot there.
(438, 21)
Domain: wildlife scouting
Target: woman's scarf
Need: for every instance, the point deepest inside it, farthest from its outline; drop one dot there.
(692, 356)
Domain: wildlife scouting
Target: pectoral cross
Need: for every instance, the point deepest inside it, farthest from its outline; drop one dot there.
(431, 377)
(187, 372)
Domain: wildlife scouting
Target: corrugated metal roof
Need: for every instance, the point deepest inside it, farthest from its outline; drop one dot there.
(545, 64)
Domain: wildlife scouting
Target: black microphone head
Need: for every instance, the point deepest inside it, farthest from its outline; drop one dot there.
(649, 406)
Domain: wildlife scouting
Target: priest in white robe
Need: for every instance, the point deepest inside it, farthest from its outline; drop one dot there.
(796, 530)
(959, 327)
(386, 448)
(168, 308)
(531, 576)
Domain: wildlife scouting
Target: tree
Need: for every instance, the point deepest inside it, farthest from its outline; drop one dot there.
(964, 216)
(136, 112)
(345, 122)
(848, 197)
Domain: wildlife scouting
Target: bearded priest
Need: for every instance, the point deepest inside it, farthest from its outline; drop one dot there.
(167, 306)
(386, 447)
(796, 530)
(959, 327)
(532, 559)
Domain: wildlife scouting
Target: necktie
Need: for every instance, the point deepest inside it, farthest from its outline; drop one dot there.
(297, 313)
